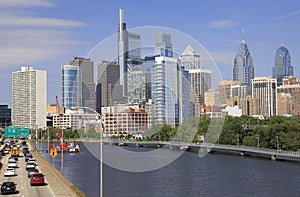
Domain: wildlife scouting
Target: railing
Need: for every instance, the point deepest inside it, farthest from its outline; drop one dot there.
(248, 149)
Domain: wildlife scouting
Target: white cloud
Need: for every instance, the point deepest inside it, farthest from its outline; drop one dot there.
(38, 21)
(26, 3)
(288, 15)
(223, 23)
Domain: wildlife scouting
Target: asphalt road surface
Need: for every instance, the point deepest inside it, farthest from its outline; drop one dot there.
(23, 182)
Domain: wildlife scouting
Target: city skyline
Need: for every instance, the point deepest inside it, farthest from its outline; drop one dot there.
(45, 35)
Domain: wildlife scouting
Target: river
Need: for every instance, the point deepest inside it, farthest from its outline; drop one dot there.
(189, 175)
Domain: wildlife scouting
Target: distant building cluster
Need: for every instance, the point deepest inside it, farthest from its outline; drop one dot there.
(137, 92)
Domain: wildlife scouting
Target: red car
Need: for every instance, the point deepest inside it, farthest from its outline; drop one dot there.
(37, 179)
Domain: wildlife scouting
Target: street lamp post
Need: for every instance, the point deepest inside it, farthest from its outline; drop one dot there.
(101, 151)
(237, 139)
(277, 142)
(257, 140)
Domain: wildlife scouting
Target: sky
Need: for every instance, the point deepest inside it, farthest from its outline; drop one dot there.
(46, 34)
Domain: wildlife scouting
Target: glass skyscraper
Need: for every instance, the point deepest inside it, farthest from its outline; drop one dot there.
(243, 70)
(71, 86)
(129, 49)
(282, 64)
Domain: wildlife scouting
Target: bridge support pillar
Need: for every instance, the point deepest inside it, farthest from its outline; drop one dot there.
(273, 157)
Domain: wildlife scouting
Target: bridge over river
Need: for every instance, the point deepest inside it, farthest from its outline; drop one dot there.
(204, 148)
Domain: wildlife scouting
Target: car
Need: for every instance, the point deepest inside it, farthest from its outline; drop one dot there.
(30, 166)
(12, 159)
(12, 165)
(9, 172)
(37, 179)
(32, 171)
(27, 156)
(31, 161)
(8, 188)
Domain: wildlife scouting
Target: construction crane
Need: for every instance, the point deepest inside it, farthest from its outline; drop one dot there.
(59, 123)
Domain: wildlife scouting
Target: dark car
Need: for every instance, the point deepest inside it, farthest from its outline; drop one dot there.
(37, 179)
(8, 188)
(29, 155)
(32, 171)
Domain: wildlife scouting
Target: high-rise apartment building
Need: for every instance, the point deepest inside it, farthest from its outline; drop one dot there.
(243, 70)
(71, 86)
(86, 67)
(129, 50)
(264, 91)
(29, 98)
(282, 64)
(240, 90)
(168, 86)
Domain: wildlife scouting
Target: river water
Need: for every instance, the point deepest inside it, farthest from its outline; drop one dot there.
(189, 175)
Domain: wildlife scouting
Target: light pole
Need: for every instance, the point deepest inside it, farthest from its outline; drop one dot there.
(257, 140)
(277, 142)
(237, 140)
(101, 151)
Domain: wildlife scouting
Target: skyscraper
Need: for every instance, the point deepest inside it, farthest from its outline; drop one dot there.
(243, 70)
(264, 91)
(163, 45)
(129, 51)
(108, 88)
(29, 97)
(86, 67)
(71, 86)
(189, 58)
(282, 64)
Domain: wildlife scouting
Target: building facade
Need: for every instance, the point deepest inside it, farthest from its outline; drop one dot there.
(163, 45)
(288, 96)
(243, 70)
(86, 67)
(129, 121)
(282, 64)
(109, 89)
(190, 59)
(129, 50)
(71, 86)
(264, 91)
(29, 98)
(139, 86)
(5, 116)
(225, 90)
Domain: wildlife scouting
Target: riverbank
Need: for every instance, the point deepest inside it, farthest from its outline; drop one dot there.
(60, 185)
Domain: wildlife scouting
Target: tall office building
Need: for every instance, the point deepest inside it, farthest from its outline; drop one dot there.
(86, 67)
(109, 90)
(264, 91)
(129, 50)
(225, 89)
(189, 58)
(163, 45)
(200, 82)
(288, 96)
(5, 116)
(240, 90)
(29, 98)
(243, 70)
(139, 86)
(71, 86)
(282, 64)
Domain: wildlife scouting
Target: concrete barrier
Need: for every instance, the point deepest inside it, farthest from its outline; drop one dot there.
(59, 184)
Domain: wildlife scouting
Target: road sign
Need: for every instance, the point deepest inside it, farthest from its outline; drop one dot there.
(53, 152)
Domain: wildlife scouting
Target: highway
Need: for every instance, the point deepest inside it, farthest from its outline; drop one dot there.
(23, 182)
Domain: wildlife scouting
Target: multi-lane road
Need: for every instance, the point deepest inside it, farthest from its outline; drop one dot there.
(22, 180)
